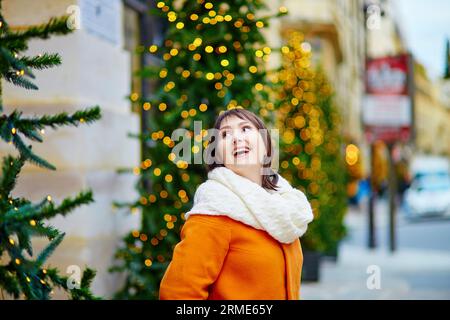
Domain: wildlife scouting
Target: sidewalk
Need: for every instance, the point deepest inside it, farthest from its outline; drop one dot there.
(409, 273)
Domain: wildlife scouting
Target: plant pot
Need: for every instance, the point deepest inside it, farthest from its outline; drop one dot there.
(331, 255)
(311, 266)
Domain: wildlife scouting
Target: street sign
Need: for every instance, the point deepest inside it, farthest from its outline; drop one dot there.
(387, 109)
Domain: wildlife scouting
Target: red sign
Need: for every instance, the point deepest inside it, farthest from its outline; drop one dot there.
(387, 110)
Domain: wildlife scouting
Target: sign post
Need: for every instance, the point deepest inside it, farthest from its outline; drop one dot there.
(387, 116)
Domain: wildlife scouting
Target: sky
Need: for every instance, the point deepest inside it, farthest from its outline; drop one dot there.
(425, 25)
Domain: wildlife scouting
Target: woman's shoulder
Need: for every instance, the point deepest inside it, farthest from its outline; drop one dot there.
(221, 221)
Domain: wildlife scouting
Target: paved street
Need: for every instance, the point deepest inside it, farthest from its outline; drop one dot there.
(419, 269)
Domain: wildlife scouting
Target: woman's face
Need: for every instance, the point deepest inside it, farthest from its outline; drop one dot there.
(240, 146)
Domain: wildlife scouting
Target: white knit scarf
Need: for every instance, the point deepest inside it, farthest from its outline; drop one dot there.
(284, 214)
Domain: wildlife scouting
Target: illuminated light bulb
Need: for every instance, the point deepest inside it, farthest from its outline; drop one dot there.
(253, 69)
(134, 96)
(222, 49)
(49, 198)
(184, 114)
(203, 107)
(168, 178)
(267, 50)
(11, 241)
(212, 13)
(147, 106)
(209, 49)
(148, 262)
(143, 237)
(157, 172)
(283, 9)
(260, 24)
(162, 106)
(160, 4)
(208, 5)
(173, 52)
(306, 46)
(259, 86)
(32, 223)
(259, 53)
(192, 112)
(17, 261)
(206, 20)
(153, 48)
(194, 17)
(210, 76)
(185, 73)
(285, 49)
(135, 233)
(228, 18)
(163, 73)
(197, 57)
(180, 25)
(13, 130)
(198, 42)
(195, 149)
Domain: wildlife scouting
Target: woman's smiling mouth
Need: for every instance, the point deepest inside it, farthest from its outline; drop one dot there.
(241, 152)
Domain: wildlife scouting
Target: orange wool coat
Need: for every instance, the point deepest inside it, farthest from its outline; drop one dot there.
(219, 258)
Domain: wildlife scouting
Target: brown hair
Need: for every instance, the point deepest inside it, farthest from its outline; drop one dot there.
(269, 181)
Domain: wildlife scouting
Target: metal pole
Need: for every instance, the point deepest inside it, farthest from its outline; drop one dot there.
(371, 230)
(392, 187)
(371, 241)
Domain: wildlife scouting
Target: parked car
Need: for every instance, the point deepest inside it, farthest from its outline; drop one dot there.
(429, 192)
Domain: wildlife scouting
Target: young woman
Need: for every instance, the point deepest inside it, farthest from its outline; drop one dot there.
(240, 240)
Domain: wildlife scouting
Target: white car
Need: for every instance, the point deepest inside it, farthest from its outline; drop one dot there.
(428, 195)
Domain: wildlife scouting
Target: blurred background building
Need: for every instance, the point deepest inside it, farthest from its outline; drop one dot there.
(98, 62)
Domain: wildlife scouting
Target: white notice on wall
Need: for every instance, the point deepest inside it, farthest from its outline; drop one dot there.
(101, 18)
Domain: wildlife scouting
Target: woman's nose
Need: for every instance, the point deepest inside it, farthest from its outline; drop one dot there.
(237, 136)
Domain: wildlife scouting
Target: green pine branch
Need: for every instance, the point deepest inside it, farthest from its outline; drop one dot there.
(56, 26)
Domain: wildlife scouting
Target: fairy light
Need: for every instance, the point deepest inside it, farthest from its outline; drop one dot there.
(49, 198)
(162, 106)
(32, 223)
(283, 9)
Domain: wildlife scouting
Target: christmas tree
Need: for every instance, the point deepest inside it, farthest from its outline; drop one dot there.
(310, 144)
(212, 58)
(22, 276)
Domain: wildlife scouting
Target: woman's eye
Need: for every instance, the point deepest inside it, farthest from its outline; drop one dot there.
(246, 127)
(224, 134)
